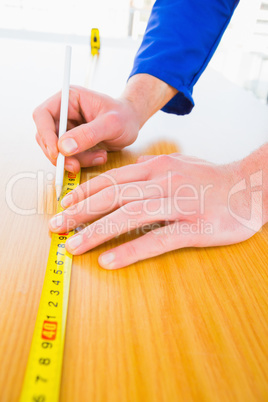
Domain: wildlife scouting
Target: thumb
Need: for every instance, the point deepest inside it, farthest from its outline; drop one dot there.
(85, 136)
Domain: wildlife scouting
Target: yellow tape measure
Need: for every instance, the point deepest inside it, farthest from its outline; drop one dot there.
(95, 41)
(43, 373)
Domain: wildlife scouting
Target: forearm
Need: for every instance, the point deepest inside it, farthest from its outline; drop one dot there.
(147, 94)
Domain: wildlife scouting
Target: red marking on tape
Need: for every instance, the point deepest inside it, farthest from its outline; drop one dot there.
(49, 330)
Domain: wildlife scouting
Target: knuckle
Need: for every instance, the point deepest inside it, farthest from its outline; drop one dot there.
(176, 179)
(163, 182)
(108, 195)
(70, 223)
(81, 192)
(164, 159)
(73, 210)
(120, 194)
(115, 120)
(161, 160)
(87, 135)
(113, 172)
(111, 176)
(85, 132)
(37, 137)
(78, 210)
(74, 88)
(35, 113)
(160, 241)
(134, 207)
(131, 251)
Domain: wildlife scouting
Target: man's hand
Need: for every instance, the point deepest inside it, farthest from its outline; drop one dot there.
(189, 202)
(98, 123)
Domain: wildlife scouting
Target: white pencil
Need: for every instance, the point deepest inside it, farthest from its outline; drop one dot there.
(63, 119)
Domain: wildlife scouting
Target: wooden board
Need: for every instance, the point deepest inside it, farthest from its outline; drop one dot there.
(190, 325)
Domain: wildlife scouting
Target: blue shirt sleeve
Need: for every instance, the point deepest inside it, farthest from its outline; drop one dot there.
(179, 41)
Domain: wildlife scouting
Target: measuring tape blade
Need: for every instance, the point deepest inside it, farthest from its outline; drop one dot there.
(43, 372)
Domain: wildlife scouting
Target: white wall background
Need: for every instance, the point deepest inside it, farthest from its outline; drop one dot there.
(242, 56)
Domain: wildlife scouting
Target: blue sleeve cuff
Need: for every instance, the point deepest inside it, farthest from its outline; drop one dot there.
(182, 103)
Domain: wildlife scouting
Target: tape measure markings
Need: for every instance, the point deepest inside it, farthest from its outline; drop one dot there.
(43, 372)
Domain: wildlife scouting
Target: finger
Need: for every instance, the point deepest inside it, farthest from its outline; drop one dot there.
(40, 142)
(124, 219)
(105, 202)
(47, 116)
(44, 149)
(71, 163)
(92, 158)
(85, 136)
(125, 174)
(154, 243)
(46, 128)
(74, 163)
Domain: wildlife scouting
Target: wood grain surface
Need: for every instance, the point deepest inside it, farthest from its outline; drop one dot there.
(190, 325)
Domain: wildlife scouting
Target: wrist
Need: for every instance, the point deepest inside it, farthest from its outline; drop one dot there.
(146, 94)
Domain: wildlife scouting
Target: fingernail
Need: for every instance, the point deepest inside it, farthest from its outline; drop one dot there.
(107, 259)
(56, 221)
(51, 153)
(67, 200)
(69, 145)
(75, 241)
(98, 161)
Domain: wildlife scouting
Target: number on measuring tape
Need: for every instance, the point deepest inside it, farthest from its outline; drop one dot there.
(43, 372)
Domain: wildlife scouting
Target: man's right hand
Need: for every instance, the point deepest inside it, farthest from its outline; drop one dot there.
(96, 123)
